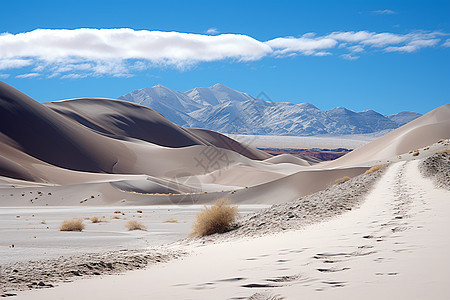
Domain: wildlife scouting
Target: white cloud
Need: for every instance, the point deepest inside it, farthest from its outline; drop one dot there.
(14, 63)
(368, 38)
(74, 76)
(413, 46)
(4, 76)
(156, 46)
(356, 49)
(28, 75)
(212, 31)
(322, 53)
(349, 56)
(306, 45)
(384, 12)
(446, 43)
(356, 42)
(80, 53)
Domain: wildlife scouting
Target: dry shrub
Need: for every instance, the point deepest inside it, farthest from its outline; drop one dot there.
(374, 169)
(97, 220)
(115, 218)
(416, 153)
(135, 225)
(342, 180)
(76, 224)
(43, 222)
(139, 211)
(171, 221)
(217, 218)
(117, 212)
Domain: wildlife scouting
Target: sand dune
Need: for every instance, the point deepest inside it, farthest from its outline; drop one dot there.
(126, 153)
(75, 141)
(123, 119)
(286, 158)
(419, 133)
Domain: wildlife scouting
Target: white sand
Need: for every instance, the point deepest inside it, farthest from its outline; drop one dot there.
(306, 142)
(23, 228)
(394, 246)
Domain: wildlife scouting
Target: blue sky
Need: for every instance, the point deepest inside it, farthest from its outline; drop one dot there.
(383, 55)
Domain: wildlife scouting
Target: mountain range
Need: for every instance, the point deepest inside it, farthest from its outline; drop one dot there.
(226, 110)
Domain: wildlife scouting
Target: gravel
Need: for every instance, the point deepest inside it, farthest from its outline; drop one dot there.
(437, 167)
(46, 273)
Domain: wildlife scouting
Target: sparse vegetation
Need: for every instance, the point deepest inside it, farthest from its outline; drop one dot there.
(416, 153)
(75, 224)
(374, 169)
(135, 225)
(171, 221)
(117, 212)
(115, 218)
(217, 218)
(342, 180)
(97, 220)
(43, 222)
(139, 211)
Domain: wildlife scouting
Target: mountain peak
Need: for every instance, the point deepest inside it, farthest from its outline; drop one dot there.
(306, 105)
(226, 110)
(219, 85)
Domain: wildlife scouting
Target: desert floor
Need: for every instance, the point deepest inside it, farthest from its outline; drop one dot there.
(34, 231)
(395, 245)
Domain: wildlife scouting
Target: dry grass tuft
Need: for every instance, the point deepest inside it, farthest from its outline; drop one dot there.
(171, 221)
(217, 218)
(43, 222)
(76, 224)
(416, 153)
(117, 212)
(98, 220)
(115, 218)
(139, 211)
(135, 225)
(374, 169)
(342, 180)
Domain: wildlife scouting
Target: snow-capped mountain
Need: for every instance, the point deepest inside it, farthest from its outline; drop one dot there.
(223, 109)
(404, 117)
